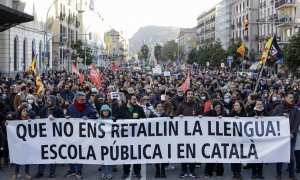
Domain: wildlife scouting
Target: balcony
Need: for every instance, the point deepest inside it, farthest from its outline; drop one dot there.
(264, 3)
(285, 22)
(246, 38)
(232, 40)
(256, 37)
(232, 26)
(273, 16)
(238, 39)
(285, 4)
(280, 40)
(272, 2)
(260, 5)
(262, 38)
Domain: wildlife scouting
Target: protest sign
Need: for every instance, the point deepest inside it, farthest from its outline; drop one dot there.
(157, 140)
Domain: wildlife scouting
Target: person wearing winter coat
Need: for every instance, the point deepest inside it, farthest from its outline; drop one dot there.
(105, 114)
(288, 109)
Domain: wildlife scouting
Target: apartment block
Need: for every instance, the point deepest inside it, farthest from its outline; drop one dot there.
(206, 27)
(288, 16)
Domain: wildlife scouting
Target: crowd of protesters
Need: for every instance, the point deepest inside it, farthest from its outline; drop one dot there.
(212, 92)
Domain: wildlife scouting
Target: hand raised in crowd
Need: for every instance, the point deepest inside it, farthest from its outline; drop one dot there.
(220, 117)
(200, 116)
(237, 117)
(286, 115)
(181, 116)
(67, 117)
(50, 117)
(85, 118)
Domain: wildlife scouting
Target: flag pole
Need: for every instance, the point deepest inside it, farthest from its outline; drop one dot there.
(259, 76)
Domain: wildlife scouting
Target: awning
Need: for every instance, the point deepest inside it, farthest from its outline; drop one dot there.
(10, 17)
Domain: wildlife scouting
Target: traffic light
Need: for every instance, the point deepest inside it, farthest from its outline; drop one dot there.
(246, 23)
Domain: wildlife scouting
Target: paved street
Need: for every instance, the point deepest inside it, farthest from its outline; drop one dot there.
(91, 172)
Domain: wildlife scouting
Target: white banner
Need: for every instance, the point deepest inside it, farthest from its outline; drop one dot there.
(158, 140)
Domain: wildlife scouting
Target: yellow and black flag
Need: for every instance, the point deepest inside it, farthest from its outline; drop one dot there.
(272, 51)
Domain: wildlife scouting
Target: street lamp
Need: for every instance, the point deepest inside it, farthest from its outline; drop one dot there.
(85, 44)
(46, 32)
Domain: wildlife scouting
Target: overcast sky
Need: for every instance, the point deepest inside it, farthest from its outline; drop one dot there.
(128, 15)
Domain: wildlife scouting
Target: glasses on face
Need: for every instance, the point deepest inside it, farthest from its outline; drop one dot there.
(48, 99)
(82, 99)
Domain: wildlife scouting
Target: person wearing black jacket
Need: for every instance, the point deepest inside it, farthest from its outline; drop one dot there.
(237, 111)
(50, 111)
(131, 110)
(288, 109)
(258, 111)
(189, 107)
(216, 110)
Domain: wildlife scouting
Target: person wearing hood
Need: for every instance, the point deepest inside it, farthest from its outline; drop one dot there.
(105, 113)
(50, 111)
(31, 102)
(288, 109)
(228, 102)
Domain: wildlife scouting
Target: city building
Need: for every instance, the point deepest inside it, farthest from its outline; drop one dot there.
(65, 31)
(267, 16)
(223, 19)
(186, 42)
(91, 31)
(17, 41)
(242, 10)
(206, 27)
(288, 16)
(116, 46)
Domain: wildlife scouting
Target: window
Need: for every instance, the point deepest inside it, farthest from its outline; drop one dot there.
(16, 52)
(24, 54)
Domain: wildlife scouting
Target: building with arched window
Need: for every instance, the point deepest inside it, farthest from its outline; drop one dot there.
(17, 40)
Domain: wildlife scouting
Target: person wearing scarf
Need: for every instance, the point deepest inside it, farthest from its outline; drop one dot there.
(79, 109)
(258, 111)
(288, 109)
(159, 112)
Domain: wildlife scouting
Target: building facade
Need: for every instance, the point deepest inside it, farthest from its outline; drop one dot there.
(223, 19)
(288, 16)
(186, 42)
(65, 31)
(206, 28)
(17, 43)
(117, 46)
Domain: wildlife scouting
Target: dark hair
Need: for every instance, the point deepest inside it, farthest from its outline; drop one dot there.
(128, 97)
(189, 90)
(243, 110)
(216, 103)
(158, 102)
(287, 93)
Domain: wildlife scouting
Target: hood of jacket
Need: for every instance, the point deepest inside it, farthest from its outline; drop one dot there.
(103, 108)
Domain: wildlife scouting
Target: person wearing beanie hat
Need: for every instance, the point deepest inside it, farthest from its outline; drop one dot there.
(50, 111)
